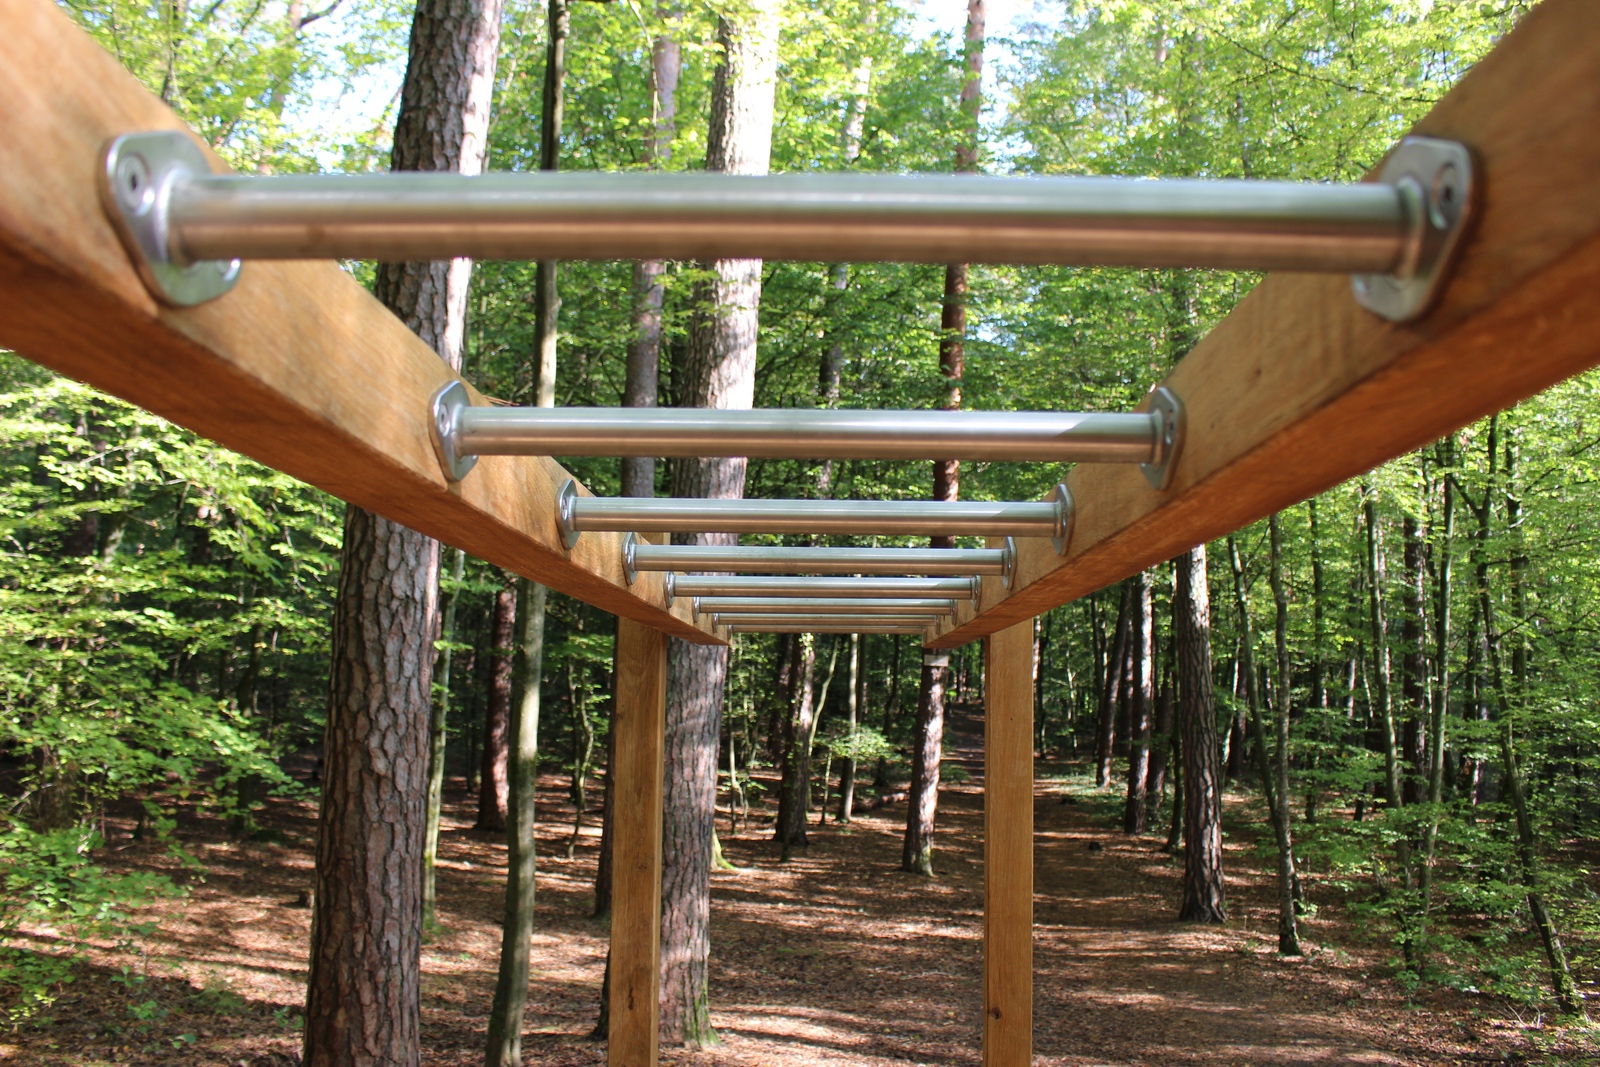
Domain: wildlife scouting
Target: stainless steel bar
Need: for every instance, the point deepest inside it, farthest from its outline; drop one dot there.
(893, 518)
(847, 628)
(929, 606)
(1230, 224)
(788, 619)
(761, 585)
(764, 559)
(1024, 436)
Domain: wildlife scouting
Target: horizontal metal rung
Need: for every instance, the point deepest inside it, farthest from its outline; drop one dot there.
(765, 560)
(173, 213)
(790, 619)
(889, 518)
(1024, 436)
(807, 628)
(930, 606)
(763, 586)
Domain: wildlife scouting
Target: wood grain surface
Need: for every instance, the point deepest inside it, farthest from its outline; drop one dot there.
(1008, 847)
(641, 666)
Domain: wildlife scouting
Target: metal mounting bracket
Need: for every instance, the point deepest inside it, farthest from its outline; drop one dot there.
(1066, 518)
(1166, 405)
(1008, 562)
(136, 181)
(1435, 182)
(448, 404)
(630, 563)
(566, 506)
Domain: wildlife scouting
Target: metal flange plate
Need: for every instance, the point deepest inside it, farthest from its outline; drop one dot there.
(136, 180)
(448, 404)
(1066, 518)
(1169, 437)
(1435, 181)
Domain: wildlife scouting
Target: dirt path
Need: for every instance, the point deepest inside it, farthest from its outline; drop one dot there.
(835, 957)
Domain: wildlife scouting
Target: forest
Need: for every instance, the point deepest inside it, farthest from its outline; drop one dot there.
(1403, 669)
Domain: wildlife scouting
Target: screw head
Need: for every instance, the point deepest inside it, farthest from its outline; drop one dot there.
(135, 188)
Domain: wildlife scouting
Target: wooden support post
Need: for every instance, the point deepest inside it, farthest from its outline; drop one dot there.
(1008, 848)
(641, 723)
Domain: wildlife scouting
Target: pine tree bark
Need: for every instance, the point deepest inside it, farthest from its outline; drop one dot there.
(719, 372)
(494, 783)
(1203, 896)
(362, 996)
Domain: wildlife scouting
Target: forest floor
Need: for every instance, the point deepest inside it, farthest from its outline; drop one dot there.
(835, 957)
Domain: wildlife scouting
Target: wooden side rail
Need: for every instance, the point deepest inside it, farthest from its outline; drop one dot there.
(1300, 389)
(298, 367)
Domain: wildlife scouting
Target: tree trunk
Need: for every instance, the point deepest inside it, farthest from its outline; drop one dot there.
(1141, 701)
(1288, 929)
(719, 372)
(916, 855)
(494, 789)
(1203, 896)
(437, 736)
(362, 994)
(799, 727)
(1413, 666)
(1439, 712)
(504, 1046)
(1111, 691)
(847, 766)
(1379, 625)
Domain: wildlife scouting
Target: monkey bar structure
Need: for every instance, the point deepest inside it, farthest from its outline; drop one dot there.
(1456, 281)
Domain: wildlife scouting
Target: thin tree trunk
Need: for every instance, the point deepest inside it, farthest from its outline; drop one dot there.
(1141, 701)
(1204, 899)
(799, 726)
(494, 789)
(1440, 711)
(1288, 930)
(511, 985)
(847, 766)
(1111, 691)
(362, 998)
(437, 736)
(1567, 996)
(1413, 666)
(916, 854)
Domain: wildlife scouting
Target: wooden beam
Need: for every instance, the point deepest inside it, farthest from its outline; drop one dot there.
(641, 725)
(1300, 389)
(298, 367)
(1008, 847)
